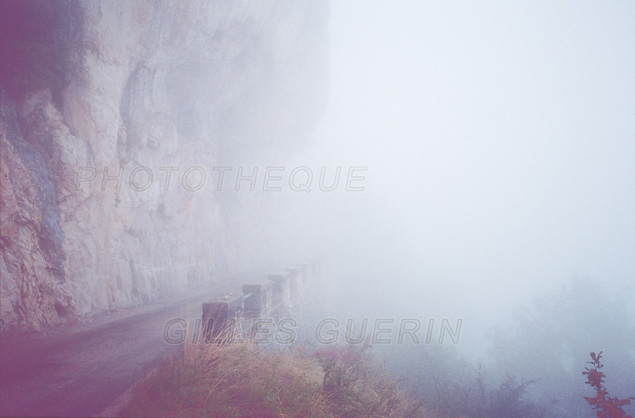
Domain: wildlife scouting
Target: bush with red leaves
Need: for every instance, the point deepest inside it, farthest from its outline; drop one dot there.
(604, 405)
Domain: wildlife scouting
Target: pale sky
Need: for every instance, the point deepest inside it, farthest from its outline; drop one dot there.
(500, 144)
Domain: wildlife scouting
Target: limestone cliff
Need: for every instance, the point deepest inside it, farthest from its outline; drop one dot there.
(92, 91)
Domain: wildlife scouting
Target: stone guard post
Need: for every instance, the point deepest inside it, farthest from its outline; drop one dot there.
(220, 318)
(226, 317)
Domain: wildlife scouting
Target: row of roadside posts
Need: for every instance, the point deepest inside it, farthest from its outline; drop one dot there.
(279, 295)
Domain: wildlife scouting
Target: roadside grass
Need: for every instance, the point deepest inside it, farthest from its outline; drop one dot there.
(245, 380)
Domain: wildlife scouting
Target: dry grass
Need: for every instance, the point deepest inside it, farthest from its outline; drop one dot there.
(244, 380)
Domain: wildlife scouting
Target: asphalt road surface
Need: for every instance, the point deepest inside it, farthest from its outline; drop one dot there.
(84, 370)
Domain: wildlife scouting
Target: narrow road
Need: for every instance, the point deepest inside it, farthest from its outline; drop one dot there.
(83, 371)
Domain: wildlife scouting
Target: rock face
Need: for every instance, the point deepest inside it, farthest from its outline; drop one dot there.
(111, 113)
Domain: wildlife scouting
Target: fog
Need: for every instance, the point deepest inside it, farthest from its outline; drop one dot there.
(498, 146)
(468, 167)
(498, 141)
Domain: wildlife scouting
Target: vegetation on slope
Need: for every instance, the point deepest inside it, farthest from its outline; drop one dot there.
(244, 380)
(604, 405)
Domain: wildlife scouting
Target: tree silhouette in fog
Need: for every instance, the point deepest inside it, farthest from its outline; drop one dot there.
(549, 339)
